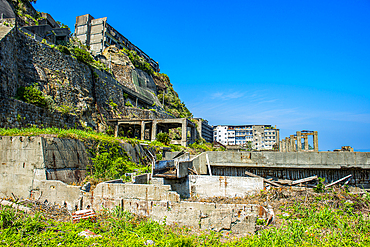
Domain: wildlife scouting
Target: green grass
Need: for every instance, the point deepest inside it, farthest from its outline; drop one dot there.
(64, 133)
(320, 224)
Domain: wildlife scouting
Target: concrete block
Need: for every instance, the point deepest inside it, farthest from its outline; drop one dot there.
(211, 186)
(58, 192)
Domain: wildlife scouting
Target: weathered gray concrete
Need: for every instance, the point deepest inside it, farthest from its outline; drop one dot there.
(289, 165)
(27, 160)
(160, 204)
(223, 186)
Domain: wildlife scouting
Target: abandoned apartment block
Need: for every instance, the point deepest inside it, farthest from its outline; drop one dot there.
(98, 34)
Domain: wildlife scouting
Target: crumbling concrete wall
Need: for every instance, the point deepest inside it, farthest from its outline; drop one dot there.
(329, 165)
(159, 203)
(21, 162)
(27, 160)
(223, 186)
(201, 186)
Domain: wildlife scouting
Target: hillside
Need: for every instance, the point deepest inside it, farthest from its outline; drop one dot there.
(73, 88)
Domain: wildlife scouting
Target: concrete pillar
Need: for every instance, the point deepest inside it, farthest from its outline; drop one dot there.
(287, 144)
(183, 132)
(299, 141)
(282, 146)
(305, 142)
(292, 144)
(315, 141)
(154, 130)
(116, 130)
(142, 130)
(193, 134)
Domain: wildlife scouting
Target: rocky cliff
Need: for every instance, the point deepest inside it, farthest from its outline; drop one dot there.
(82, 91)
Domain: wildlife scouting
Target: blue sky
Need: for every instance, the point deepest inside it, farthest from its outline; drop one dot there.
(299, 65)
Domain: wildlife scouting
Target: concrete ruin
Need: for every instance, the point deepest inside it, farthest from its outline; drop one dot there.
(294, 142)
(147, 129)
(42, 168)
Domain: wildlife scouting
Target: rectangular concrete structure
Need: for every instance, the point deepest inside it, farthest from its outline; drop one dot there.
(289, 165)
(154, 125)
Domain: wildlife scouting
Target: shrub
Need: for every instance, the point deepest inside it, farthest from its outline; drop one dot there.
(64, 49)
(164, 138)
(83, 55)
(112, 162)
(32, 95)
(128, 103)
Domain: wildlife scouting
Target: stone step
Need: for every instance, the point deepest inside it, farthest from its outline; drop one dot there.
(4, 31)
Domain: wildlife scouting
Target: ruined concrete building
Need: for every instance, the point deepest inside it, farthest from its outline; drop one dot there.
(45, 28)
(294, 142)
(98, 35)
(147, 129)
(261, 137)
(205, 130)
(49, 30)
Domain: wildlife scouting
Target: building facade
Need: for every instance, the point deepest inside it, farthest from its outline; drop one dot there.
(257, 137)
(204, 129)
(97, 34)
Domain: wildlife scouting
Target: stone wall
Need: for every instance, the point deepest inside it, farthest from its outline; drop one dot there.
(90, 95)
(18, 114)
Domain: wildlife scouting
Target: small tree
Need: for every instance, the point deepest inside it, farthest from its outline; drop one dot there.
(164, 138)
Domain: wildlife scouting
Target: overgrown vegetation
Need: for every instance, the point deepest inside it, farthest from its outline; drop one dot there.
(172, 102)
(303, 218)
(33, 95)
(139, 62)
(164, 138)
(111, 161)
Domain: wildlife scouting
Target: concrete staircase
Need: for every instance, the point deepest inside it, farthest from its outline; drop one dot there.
(4, 31)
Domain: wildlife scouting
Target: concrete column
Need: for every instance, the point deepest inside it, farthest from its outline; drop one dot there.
(154, 130)
(183, 132)
(305, 142)
(299, 141)
(315, 141)
(193, 134)
(287, 144)
(116, 130)
(282, 146)
(292, 144)
(142, 130)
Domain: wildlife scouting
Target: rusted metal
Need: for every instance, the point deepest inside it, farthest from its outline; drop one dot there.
(84, 214)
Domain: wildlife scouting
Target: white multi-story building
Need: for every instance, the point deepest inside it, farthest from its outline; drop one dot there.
(259, 137)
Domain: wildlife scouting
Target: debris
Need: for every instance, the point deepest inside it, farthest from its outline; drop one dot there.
(84, 214)
(168, 176)
(270, 215)
(16, 206)
(209, 166)
(179, 154)
(338, 181)
(304, 180)
(149, 242)
(86, 187)
(88, 234)
(264, 179)
(193, 171)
